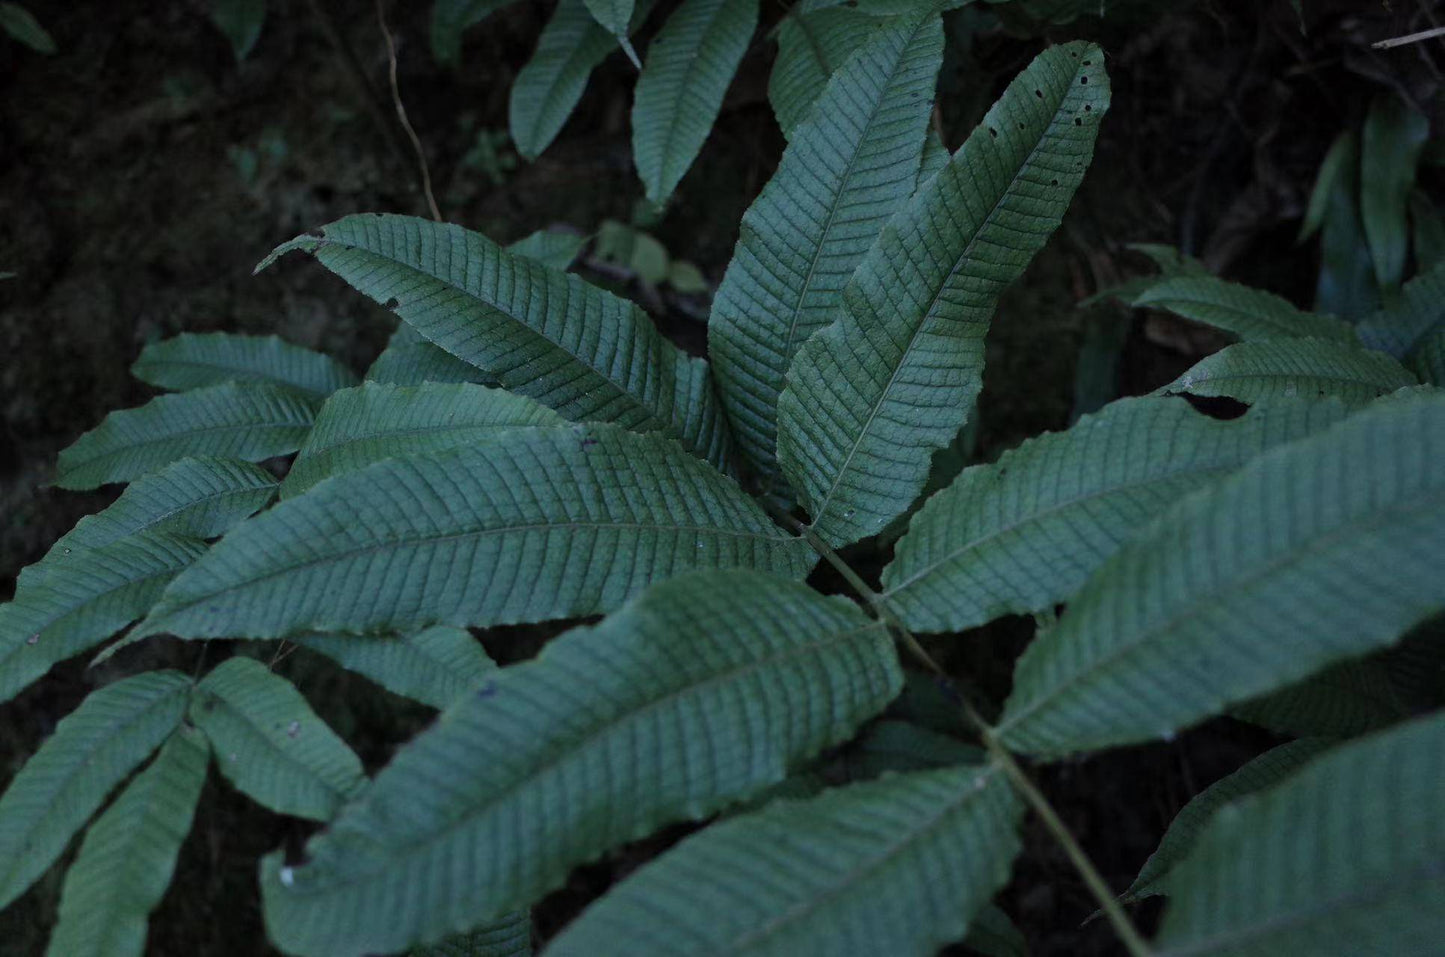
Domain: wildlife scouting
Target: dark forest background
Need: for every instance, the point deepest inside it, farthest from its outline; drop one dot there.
(144, 171)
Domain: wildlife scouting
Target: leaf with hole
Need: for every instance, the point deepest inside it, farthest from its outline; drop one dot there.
(1314, 552)
(1022, 534)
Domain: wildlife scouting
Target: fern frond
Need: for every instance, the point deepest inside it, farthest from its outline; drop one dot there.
(897, 866)
(92, 750)
(702, 692)
(540, 332)
(537, 524)
(687, 72)
(357, 427)
(129, 854)
(1345, 857)
(870, 397)
(847, 169)
(1317, 551)
(271, 745)
(1285, 368)
(84, 600)
(196, 360)
(251, 421)
(1022, 534)
(435, 666)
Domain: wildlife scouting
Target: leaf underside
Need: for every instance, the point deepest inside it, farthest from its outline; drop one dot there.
(871, 396)
(1022, 534)
(1308, 368)
(847, 169)
(435, 666)
(1317, 551)
(197, 360)
(1250, 314)
(539, 523)
(895, 866)
(1346, 857)
(250, 421)
(537, 331)
(704, 691)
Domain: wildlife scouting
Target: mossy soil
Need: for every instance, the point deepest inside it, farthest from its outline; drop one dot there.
(145, 171)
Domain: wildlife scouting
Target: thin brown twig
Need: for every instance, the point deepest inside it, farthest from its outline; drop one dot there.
(431, 200)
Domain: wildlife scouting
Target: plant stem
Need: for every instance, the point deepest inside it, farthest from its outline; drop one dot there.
(1128, 934)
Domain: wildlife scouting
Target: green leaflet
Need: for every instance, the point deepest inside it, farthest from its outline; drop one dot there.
(129, 854)
(84, 600)
(1395, 133)
(871, 396)
(194, 498)
(1260, 774)
(1346, 857)
(451, 18)
(542, 333)
(197, 360)
(509, 937)
(897, 866)
(1248, 313)
(21, 25)
(703, 691)
(1314, 552)
(93, 749)
(1427, 231)
(547, 89)
(615, 17)
(435, 666)
(811, 46)
(1346, 285)
(357, 427)
(935, 157)
(271, 745)
(550, 247)
(1022, 534)
(1337, 162)
(1310, 368)
(408, 359)
(241, 21)
(537, 524)
(894, 745)
(1418, 310)
(251, 421)
(689, 67)
(848, 167)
